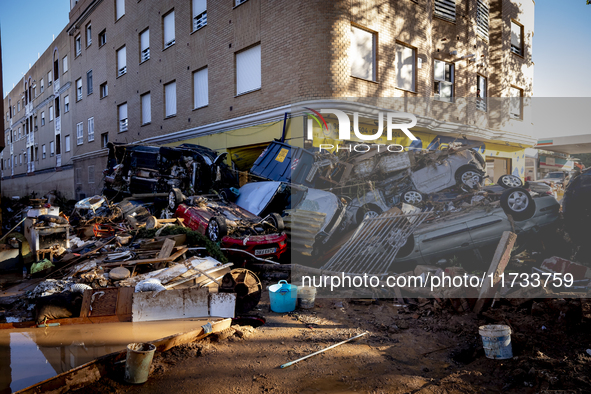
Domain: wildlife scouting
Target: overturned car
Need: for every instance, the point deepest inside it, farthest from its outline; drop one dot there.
(137, 169)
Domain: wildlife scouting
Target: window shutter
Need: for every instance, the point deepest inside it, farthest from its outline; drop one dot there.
(482, 19)
(170, 96)
(120, 8)
(446, 9)
(405, 66)
(145, 40)
(200, 87)
(362, 53)
(199, 7)
(122, 61)
(248, 70)
(146, 108)
(169, 29)
(123, 112)
(516, 38)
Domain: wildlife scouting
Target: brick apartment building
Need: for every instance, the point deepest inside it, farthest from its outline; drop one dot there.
(224, 73)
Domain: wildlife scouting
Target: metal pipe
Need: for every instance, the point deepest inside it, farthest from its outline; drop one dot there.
(289, 364)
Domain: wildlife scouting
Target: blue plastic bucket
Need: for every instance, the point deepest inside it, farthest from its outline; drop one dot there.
(496, 341)
(283, 297)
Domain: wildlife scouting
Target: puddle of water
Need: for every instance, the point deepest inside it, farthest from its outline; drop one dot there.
(29, 356)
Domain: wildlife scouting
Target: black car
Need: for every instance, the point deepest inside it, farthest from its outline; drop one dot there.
(138, 169)
(576, 207)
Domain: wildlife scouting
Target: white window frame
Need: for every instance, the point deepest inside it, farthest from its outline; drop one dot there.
(65, 64)
(201, 88)
(362, 58)
(481, 99)
(146, 104)
(121, 61)
(104, 90)
(42, 85)
(119, 9)
(49, 78)
(145, 45)
(102, 37)
(80, 133)
(404, 65)
(51, 148)
(78, 45)
(199, 8)
(67, 143)
(66, 103)
(517, 43)
(79, 89)
(170, 104)
(441, 80)
(42, 118)
(91, 129)
(168, 29)
(248, 70)
(122, 117)
(50, 113)
(43, 151)
(88, 35)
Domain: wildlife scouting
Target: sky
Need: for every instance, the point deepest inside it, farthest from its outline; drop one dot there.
(561, 44)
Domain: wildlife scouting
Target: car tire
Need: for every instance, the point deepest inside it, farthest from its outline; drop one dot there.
(175, 198)
(277, 221)
(518, 203)
(217, 229)
(412, 197)
(466, 176)
(367, 209)
(508, 181)
(227, 195)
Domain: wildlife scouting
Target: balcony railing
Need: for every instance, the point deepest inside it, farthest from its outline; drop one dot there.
(145, 54)
(56, 86)
(123, 125)
(121, 71)
(58, 124)
(199, 21)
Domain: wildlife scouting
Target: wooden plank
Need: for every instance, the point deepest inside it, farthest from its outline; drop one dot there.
(497, 267)
(124, 299)
(105, 304)
(85, 308)
(166, 249)
(71, 321)
(170, 304)
(175, 256)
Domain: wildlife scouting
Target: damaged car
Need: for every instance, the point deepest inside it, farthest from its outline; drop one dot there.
(138, 169)
(576, 207)
(230, 225)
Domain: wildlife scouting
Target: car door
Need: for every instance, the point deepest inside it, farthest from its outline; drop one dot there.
(487, 228)
(433, 177)
(443, 239)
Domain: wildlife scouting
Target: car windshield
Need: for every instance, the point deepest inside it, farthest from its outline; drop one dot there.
(553, 175)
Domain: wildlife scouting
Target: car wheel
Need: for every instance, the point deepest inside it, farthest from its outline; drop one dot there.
(412, 197)
(508, 181)
(367, 211)
(217, 228)
(228, 195)
(470, 177)
(277, 221)
(518, 203)
(175, 197)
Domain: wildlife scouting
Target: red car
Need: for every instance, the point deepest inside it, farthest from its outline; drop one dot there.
(232, 226)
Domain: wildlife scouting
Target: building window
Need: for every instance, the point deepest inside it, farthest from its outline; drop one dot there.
(516, 38)
(78, 176)
(78, 44)
(443, 74)
(66, 104)
(42, 86)
(102, 37)
(89, 82)
(104, 140)
(481, 93)
(90, 174)
(79, 89)
(80, 133)
(50, 113)
(446, 9)
(146, 103)
(168, 25)
(406, 60)
(90, 129)
(57, 107)
(88, 35)
(43, 151)
(18, 105)
(482, 18)
(199, 14)
(200, 88)
(42, 118)
(49, 79)
(170, 99)
(248, 70)
(65, 63)
(119, 9)
(122, 111)
(363, 54)
(121, 61)
(238, 2)
(516, 103)
(144, 45)
(51, 149)
(67, 143)
(104, 90)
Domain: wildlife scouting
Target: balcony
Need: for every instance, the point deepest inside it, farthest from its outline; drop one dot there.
(199, 21)
(123, 125)
(145, 54)
(58, 124)
(56, 86)
(58, 160)
(31, 166)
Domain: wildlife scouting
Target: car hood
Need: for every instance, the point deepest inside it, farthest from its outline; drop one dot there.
(256, 196)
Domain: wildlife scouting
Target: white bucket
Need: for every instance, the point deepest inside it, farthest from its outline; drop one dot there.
(496, 340)
(306, 297)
